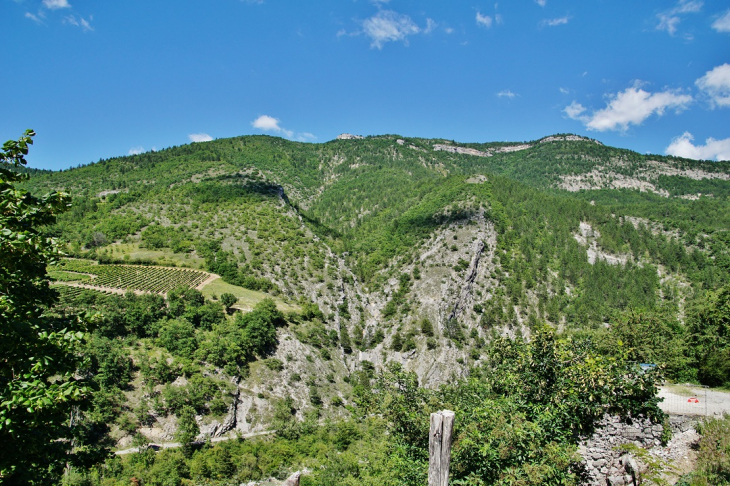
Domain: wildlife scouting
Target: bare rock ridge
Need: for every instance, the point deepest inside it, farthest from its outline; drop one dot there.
(611, 176)
(568, 138)
(468, 281)
(508, 148)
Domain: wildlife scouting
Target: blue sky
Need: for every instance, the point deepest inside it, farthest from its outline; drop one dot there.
(103, 79)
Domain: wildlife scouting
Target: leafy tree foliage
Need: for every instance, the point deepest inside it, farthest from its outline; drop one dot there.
(517, 418)
(709, 337)
(39, 386)
(228, 299)
(187, 430)
(259, 326)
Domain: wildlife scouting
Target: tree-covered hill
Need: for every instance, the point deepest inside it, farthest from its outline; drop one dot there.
(385, 232)
(342, 260)
(352, 224)
(378, 197)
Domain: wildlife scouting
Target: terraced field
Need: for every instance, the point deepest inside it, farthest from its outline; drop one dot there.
(158, 280)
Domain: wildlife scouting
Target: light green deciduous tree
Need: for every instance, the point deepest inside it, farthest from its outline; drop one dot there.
(39, 380)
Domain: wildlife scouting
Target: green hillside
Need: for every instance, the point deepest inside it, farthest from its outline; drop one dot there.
(376, 200)
(366, 282)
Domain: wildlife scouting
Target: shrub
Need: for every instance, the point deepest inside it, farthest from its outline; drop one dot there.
(426, 327)
(178, 337)
(228, 300)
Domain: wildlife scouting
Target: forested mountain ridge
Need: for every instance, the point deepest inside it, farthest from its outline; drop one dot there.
(402, 249)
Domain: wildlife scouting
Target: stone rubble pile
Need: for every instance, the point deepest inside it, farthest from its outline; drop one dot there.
(607, 465)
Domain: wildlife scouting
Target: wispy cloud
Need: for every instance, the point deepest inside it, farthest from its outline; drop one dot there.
(306, 137)
(56, 4)
(389, 26)
(555, 22)
(33, 17)
(484, 20)
(670, 19)
(505, 93)
(722, 24)
(629, 107)
(80, 22)
(200, 137)
(564, 90)
(682, 146)
(430, 26)
(541, 3)
(136, 150)
(716, 85)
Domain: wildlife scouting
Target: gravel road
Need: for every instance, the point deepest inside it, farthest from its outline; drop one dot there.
(693, 400)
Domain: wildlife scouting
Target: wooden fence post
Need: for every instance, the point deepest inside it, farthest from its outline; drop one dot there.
(439, 447)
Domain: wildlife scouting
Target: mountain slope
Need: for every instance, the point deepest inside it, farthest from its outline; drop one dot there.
(413, 250)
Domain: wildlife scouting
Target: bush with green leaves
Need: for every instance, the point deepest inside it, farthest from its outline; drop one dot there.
(178, 337)
(519, 415)
(228, 299)
(233, 343)
(187, 429)
(197, 393)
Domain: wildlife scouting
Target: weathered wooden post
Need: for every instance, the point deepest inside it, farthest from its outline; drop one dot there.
(439, 447)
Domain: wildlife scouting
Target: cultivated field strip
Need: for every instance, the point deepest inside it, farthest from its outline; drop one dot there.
(68, 292)
(158, 280)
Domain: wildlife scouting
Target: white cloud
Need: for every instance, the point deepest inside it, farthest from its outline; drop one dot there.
(505, 93)
(56, 4)
(723, 23)
(564, 90)
(670, 19)
(629, 107)
(688, 6)
(79, 22)
(541, 3)
(387, 26)
(430, 26)
(716, 84)
(270, 124)
(200, 137)
(668, 23)
(449, 30)
(574, 110)
(266, 123)
(682, 146)
(33, 17)
(484, 20)
(136, 150)
(554, 22)
(306, 137)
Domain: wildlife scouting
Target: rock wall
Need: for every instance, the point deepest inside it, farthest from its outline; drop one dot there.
(608, 466)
